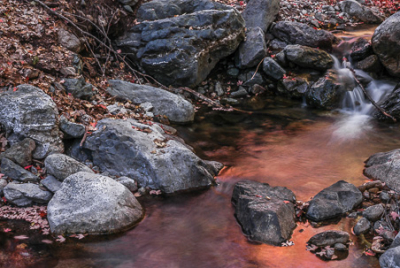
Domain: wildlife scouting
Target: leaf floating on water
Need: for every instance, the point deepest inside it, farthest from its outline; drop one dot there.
(6, 230)
(21, 237)
(80, 236)
(47, 241)
(155, 192)
(60, 239)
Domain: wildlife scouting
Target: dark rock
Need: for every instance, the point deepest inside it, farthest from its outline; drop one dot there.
(241, 92)
(252, 50)
(128, 2)
(3, 183)
(69, 41)
(92, 204)
(293, 87)
(51, 183)
(334, 201)
(26, 194)
(385, 167)
(329, 238)
(61, 166)
(16, 172)
(68, 71)
(70, 129)
(277, 45)
(384, 196)
(175, 107)
(77, 152)
(249, 80)
(302, 34)
(21, 153)
(78, 88)
(361, 49)
(29, 113)
(170, 166)
(386, 44)
(233, 72)
(391, 105)
(369, 64)
(308, 57)
(272, 69)
(179, 42)
(362, 226)
(360, 12)
(327, 92)
(281, 59)
(374, 213)
(128, 183)
(262, 212)
(340, 247)
(261, 13)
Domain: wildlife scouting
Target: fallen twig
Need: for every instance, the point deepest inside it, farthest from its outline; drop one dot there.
(369, 97)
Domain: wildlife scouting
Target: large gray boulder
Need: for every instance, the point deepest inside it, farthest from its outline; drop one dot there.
(386, 44)
(327, 92)
(252, 50)
(360, 12)
(143, 153)
(302, 34)
(26, 194)
(92, 204)
(29, 113)
(334, 201)
(308, 57)
(180, 41)
(265, 213)
(385, 167)
(175, 107)
(61, 166)
(261, 13)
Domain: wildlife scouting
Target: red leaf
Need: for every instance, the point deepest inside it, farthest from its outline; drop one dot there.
(4, 199)
(27, 167)
(286, 202)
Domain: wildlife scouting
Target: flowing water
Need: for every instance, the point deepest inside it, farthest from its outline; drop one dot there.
(281, 143)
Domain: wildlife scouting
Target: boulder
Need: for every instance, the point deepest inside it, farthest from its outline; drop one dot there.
(179, 42)
(272, 69)
(21, 153)
(70, 129)
(361, 49)
(386, 44)
(69, 41)
(329, 238)
(391, 258)
(16, 172)
(385, 167)
(308, 57)
(26, 194)
(252, 50)
(261, 13)
(143, 153)
(369, 64)
(301, 34)
(327, 92)
(29, 113)
(391, 105)
(362, 226)
(78, 88)
(92, 204)
(360, 12)
(61, 166)
(175, 107)
(334, 201)
(265, 213)
(374, 213)
(296, 87)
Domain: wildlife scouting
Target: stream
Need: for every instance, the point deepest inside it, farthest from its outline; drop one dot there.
(282, 143)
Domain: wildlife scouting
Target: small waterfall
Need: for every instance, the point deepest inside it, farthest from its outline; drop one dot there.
(356, 107)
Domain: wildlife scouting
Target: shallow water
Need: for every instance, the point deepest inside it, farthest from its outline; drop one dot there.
(282, 144)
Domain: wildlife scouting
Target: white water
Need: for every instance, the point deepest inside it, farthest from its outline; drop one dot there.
(356, 108)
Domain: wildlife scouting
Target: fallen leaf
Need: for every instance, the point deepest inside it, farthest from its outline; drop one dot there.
(21, 237)
(60, 239)
(6, 230)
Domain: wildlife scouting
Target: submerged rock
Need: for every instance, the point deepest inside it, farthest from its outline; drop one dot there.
(26, 194)
(385, 167)
(92, 204)
(261, 13)
(143, 153)
(265, 213)
(308, 57)
(301, 34)
(386, 44)
(61, 166)
(29, 113)
(180, 41)
(175, 107)
(334, 201)
(329, 238)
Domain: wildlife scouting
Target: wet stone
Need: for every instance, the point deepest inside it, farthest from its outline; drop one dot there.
(362, 226)
(374, 213)
(329, 238)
